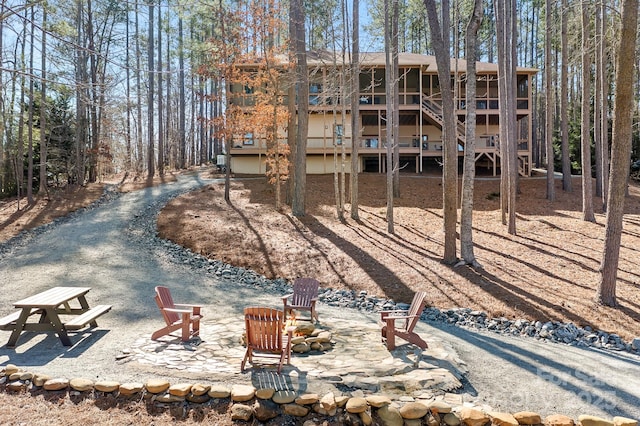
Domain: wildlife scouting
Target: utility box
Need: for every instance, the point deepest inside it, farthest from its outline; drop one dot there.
(221, 162)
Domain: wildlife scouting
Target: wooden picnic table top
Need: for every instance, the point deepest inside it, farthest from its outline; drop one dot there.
(52, 298)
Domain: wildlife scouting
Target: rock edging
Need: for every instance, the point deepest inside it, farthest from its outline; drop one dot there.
(248, 403)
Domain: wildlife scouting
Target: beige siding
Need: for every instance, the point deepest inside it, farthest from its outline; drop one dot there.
(253, 165)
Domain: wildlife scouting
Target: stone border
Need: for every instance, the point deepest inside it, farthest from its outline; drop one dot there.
(265, 404)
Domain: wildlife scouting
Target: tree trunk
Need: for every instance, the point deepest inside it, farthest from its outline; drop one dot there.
(151, 169)
(170, 157)
(506, 41)
(182, 117)
(564, 100)
(604, 127)
(139, 139)
(81, 96)
(389, 92)
(161, 120)
(298, 207)
(468, 176)
(440, 42)
(128, 148)
(355, 110)
(549, 106)
(19, 161)
(43, 105)
(395, 98)
(3, 146)
(587, 182)
(597, 103)
(621, 146)
(31, 115)
(93, 105)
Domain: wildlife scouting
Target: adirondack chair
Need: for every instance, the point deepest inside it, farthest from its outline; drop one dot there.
(305, 294)
(401, 323)
(177, 316)
(266, 336)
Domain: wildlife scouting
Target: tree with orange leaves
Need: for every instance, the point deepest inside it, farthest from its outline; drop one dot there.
(249, 57)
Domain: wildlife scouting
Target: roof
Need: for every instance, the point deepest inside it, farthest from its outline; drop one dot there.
(326, 57)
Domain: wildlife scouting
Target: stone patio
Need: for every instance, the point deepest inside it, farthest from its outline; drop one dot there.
(358, 360)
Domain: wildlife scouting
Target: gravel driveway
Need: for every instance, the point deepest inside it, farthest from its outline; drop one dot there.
(112, 248)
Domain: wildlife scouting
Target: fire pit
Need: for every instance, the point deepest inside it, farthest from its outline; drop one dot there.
(308, 337)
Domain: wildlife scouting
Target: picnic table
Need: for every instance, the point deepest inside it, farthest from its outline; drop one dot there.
(49, 305)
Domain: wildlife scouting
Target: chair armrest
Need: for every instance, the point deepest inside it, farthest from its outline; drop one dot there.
(398, 313)
(187, 305)
(179, 311)
(395, 317)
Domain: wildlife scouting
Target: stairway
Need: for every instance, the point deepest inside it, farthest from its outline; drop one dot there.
(433, 110)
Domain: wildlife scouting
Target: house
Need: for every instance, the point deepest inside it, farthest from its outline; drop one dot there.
(420, 124)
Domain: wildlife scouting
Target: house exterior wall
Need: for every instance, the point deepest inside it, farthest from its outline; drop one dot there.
(420, 134)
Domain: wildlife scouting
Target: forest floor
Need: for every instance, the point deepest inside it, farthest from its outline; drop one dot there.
(547, 272)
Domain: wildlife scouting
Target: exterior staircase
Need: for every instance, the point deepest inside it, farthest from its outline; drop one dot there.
(433, 110)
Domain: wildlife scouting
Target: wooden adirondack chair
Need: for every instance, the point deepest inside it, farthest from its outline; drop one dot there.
(305, 294)
(401, 323)
(177, 316)
(266, 335)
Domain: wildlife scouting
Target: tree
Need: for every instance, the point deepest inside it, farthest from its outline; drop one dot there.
(127, 62)
(182, 98)
(43, 105)
(549, 106)
(620, 148)
(395, 94)
(468, 176)
(564, 100)
(139, 142)
(30, 108)
(440, 40)
(597, 102)
(603, 116)
(269, 117)
(390, 92)
(151, 169)
(587, 185)
(160, 95)
(355, 109)
(298, 207)
(506, 41)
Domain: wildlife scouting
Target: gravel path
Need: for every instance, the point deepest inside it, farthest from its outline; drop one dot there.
(112, 247)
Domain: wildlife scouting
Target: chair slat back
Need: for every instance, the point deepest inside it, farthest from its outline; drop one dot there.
(164, 300)
(264, 328)
(415, 310)
(304, 290)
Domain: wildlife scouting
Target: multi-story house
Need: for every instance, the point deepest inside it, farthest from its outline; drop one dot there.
(420, 117)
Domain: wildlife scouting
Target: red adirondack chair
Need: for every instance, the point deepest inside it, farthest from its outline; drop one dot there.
(177, 316)
(401, 323)
(304, 297)
(266, 335)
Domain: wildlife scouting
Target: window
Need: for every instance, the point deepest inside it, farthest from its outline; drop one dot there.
(314, 90)
(379, 80)
(523, 86)
(338, 132)
(248, 139)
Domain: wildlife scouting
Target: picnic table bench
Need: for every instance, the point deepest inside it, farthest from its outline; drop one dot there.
(50, 305)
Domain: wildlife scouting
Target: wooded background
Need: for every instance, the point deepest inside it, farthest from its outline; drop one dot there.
(89, 88)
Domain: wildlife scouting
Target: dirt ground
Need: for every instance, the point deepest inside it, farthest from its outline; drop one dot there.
(549, 271)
